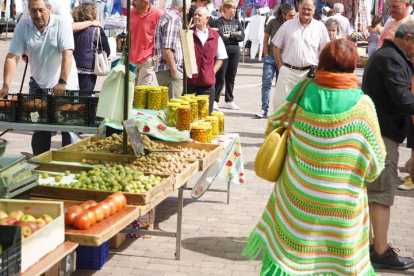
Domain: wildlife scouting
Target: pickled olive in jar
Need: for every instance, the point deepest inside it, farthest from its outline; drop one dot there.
(154, 99)
(172, 114)
(209, 132)
(140, 97)
(220, 116)
(214, 126)
(208, 102)
(164, 97)
(183, 117)
(194, 110)
(202, 108)
(198, 133)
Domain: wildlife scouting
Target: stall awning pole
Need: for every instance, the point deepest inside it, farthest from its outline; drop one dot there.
(184, 28)
(126, 84)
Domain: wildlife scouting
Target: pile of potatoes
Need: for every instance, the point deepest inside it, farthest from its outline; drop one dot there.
(113, 144)
(157, 163)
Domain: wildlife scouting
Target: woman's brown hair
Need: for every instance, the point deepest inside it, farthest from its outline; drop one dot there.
(338, 56)
(85, 12)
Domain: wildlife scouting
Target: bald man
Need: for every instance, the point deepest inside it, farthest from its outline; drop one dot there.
(210, 52)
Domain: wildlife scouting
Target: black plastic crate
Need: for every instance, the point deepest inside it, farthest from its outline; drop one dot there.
(92, 257)
(94, 120)
(30, 106)
(10, 258)
(70, 110)
(8, 108)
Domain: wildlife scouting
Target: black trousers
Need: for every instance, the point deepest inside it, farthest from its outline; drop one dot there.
(87, 82)
(228, 71)
(203, 90)
(410, 135)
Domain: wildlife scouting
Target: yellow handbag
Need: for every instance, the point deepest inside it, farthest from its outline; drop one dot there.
(271, 156)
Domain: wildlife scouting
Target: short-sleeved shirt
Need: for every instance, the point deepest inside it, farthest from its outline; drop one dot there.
(301, 46)
(344, 25)
(167, 36)
(271, 29)
(221, 52)
(142, 34)
(390, 28)
(45, 50)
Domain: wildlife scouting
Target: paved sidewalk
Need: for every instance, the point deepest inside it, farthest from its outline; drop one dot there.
(214, 232)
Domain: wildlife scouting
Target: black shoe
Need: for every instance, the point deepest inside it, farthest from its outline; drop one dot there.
(390, 260)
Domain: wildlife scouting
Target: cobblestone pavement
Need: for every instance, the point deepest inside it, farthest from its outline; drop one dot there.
(214, 232)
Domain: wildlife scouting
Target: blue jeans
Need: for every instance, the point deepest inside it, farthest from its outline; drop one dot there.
(269, 70)
(41, 139)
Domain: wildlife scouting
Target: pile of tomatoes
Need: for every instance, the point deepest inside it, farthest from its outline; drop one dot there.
(91, 212)
(7, 103)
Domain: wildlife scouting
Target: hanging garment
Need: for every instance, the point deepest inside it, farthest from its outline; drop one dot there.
(256, 35)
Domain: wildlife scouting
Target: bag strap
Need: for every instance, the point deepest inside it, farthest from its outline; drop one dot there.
(297, 105)
(292, 101)
(98, 40)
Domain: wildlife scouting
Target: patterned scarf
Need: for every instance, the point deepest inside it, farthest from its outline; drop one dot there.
(336, 80)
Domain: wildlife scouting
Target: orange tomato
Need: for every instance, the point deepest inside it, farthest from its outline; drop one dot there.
(14, 98)
(122, 196)
(91, 202)
(82, 222)
(77, 209)
(70, 217)
(85, 206)
(118, 202)
(91, 216)
(106, 210)
(99, 215)
(112, 206)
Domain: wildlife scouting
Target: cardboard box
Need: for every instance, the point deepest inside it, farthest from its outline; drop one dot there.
(44, 240)
(145, 222)
(116, 241)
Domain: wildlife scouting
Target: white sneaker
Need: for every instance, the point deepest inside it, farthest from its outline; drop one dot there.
(215, 106)
(261, 114)
(231, 105)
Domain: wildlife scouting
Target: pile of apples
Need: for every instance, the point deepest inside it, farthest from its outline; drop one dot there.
(29, 223)
(87, 214)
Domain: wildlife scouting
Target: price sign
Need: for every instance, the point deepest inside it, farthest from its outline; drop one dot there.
(134, 136)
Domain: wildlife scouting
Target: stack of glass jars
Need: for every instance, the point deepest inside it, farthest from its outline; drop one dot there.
(198, 133)
(140, 97)
(214, 121)
(220, 116)
(172, 114)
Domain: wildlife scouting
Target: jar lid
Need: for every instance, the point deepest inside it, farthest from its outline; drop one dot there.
(217, 113)
(184, 98)
(154, 89)
(198, 98)
(174, 104)
(211, 118)
(176, 101)
(204, 96)
(193, 100)
(184, 107)
(185, 102)
(140, 88)
(207, 124)
(163, 87)
(195, 126)
(191, 95)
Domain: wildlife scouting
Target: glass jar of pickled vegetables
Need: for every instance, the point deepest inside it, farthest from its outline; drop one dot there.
(140, 97)
(194, 110)
(172, 114)
(183, 117)
(207, 97)
(154, 98)
(198, 133)
(209, 132)
(214, 121)
(202, 108)
(164, 97)
(220, 116)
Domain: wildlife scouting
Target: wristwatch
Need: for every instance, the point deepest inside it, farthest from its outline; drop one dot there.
(62, 81)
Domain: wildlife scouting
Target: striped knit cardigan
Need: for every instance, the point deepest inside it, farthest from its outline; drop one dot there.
(316, 221)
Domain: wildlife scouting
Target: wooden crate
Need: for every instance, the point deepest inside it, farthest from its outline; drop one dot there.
(182, 178)
(44, 240)
(74, 158)
(214, 151)
(83, 194)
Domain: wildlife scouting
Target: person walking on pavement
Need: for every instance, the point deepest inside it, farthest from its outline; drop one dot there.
(232, 32)
(169, 68)
(387, 80)
(301, 39)
(284, 13)
(144, 18)
(316, 221)
(48, 42)
(210, 53)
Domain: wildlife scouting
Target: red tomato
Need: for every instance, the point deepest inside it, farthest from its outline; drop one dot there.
(112, 206)
(91, 202)
(106, 210)
(91, 216)
(77, 209)
(70, 217)
(118, 202)
(82, 222)
(122, 196)
(85, 206)
(98, 212)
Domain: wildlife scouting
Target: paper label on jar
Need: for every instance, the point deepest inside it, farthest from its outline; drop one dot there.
(34, 116)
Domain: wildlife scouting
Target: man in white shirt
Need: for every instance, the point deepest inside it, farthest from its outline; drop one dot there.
(210, 52)
(344, 25)
(301, 39)
(48, 41)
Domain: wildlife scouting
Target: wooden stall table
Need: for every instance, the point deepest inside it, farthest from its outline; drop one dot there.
(64, 253)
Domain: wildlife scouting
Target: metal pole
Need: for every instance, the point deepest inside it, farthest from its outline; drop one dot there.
(184, 28)
(228, 192)
(244, 26)
(179, 223)
(126, 84)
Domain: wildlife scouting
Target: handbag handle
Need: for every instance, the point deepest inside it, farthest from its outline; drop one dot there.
(300, 91)
(98, 40)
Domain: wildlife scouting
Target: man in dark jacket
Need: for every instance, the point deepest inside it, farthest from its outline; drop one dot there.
(387, 80)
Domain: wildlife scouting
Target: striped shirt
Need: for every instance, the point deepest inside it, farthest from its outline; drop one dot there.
(167, 36)
(301, 46)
